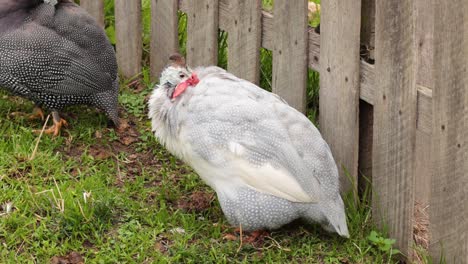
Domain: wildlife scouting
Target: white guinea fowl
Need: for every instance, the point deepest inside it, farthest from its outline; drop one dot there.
(266, 161)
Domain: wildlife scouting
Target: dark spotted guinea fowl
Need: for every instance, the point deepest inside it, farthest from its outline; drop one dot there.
(55, 54)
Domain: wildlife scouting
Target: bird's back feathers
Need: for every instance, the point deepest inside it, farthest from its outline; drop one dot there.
(248, 144)
(56, 55)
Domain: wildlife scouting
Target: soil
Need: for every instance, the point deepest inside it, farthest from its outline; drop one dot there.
(71, 258)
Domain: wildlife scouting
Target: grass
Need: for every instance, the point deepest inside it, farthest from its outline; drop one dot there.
(143, 205)
(121, 198)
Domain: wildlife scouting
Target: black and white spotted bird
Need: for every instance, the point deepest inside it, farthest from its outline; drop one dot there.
(55, 54)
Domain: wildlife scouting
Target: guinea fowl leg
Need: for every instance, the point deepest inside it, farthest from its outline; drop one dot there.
(37, 113)
(55, 128)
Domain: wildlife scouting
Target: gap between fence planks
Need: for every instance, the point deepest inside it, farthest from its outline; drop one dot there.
(448, 211)
(339, 85)
(95, 8)
(368, 27)
(128, 36)
(366, 111)
(394, 121)
(164, 34)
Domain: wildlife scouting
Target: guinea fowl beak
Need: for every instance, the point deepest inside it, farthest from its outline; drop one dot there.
(181, 87)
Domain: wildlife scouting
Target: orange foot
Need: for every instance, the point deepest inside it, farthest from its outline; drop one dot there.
(256, 236)
(55, 128)
(36, 114)
(248, 237)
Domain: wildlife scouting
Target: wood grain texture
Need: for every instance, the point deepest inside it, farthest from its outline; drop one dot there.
(425, 42)
(267, 30)
(394, 120)
(314, 50)
(164, 34)
(202, 33)
(368, 93)
(367, 79)
(290, 52)
(339, 85)
(449, 193)
(95, 8)
(424, 122)
(423, 168)
(423, 145)
(244, 39)
(128, 37)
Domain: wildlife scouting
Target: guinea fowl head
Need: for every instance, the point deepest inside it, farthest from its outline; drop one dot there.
(176, 77)
(174, 80)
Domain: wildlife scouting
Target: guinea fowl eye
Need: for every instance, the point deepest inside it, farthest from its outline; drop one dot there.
(182, 75)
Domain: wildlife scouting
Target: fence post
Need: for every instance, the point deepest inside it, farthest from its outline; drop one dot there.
(202, 32)
(290, 51)
(128, 37)
(339, 83)
(449, 193)
(244, 39)
(164, 34)
(95, 8)
(394, 120)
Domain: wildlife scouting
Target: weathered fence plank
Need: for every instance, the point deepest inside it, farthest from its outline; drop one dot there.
(164, 33)
(394, 120)
(424, 40)
(448, 209)
(202, 32)
(244, 39)
(339, 84)
(290, 52)
(367, 79)
(423, 146)
(268, 31)
(314, 50)
(128, 37)
(95, 8)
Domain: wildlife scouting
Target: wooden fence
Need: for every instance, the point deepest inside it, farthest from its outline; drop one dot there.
(402, 122)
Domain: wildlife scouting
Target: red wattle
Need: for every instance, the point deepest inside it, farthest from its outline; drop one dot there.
(181, 87)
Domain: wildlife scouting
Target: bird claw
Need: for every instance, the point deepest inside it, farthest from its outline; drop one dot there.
(55, 128)
(36, 114)
(256, 235)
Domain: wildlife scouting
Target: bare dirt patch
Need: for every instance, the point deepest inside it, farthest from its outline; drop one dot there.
(72, 258)
(197, 202)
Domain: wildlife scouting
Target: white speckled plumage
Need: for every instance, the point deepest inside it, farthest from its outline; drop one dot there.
(266, 161)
